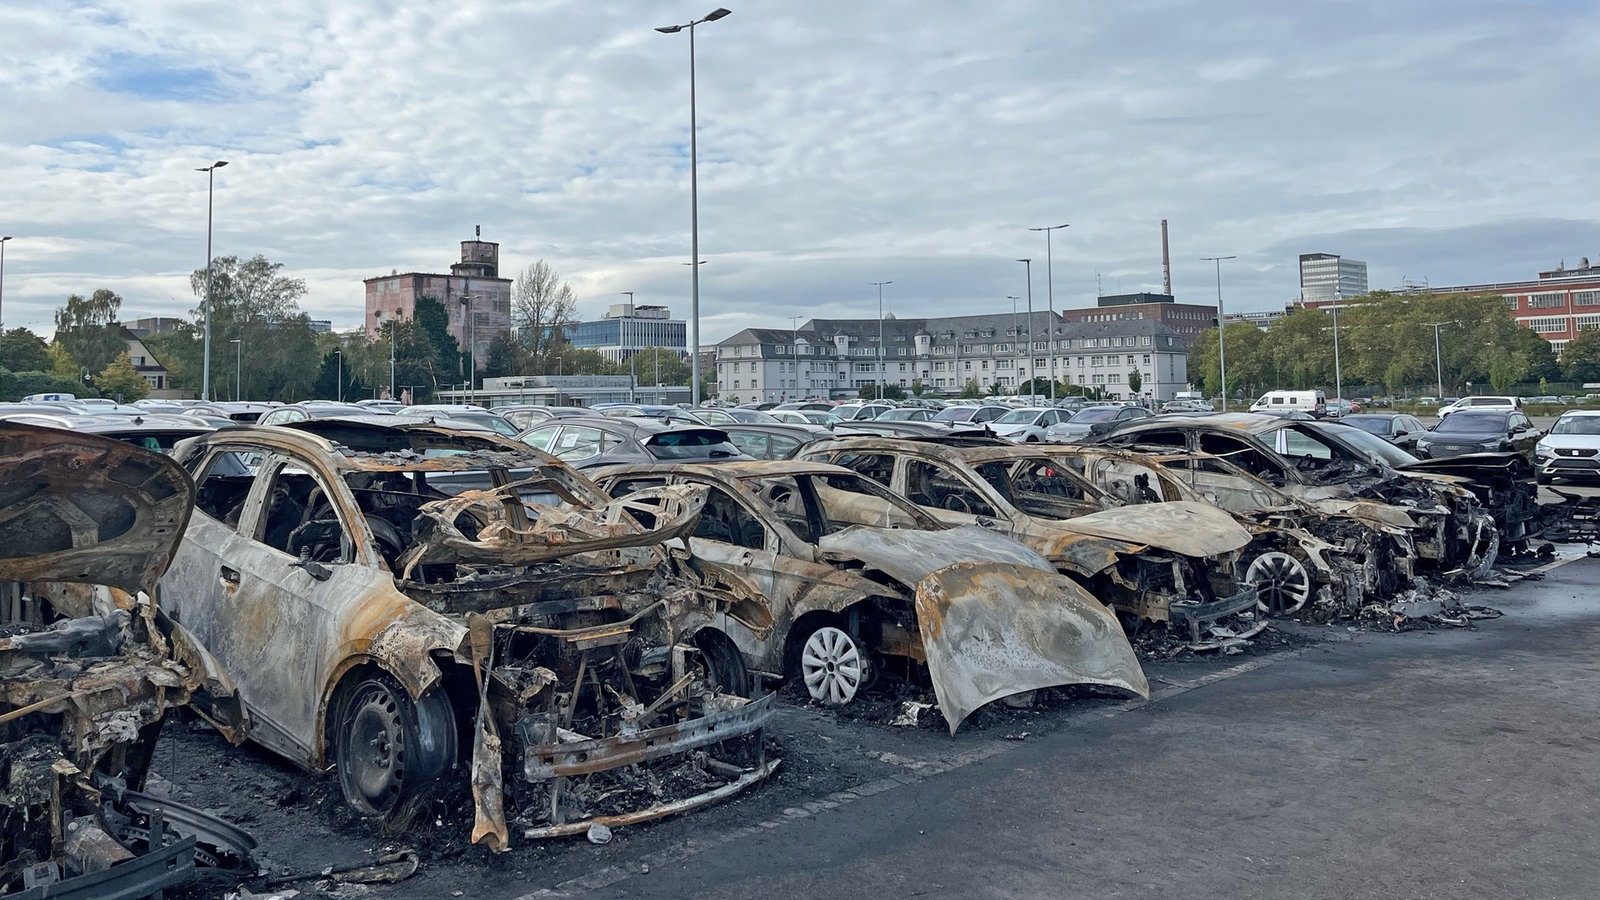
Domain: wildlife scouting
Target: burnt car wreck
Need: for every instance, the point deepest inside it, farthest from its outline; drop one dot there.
(417, 606)
(89, 669)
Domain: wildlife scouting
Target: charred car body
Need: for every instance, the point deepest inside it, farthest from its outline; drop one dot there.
(403, 600)
(1335, 561)
(1172, 562)
(1330, 466)
(89, 669)
(848, 577)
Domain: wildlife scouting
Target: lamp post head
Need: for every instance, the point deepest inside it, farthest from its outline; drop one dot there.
(1030, 261)
(216, 165)
(669, 29)
(1049, 227)
(718, 13)
(4, 239)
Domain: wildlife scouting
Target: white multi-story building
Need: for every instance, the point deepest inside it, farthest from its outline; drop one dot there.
(626, 329)
(1325, 277)
(838, 357)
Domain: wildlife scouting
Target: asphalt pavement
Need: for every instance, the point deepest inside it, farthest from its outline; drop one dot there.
(1433, 764)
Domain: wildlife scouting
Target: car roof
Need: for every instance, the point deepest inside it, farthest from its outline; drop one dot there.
(637, 425)
(969, 450)
(375, 443)
(734, 470)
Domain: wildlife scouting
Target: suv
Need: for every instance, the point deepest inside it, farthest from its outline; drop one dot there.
(1483, 404)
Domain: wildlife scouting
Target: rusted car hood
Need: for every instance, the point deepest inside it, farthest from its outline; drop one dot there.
(86, 509)
(999, 622)
(1178, 526)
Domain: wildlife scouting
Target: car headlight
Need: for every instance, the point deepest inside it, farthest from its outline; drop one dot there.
(1540, 449)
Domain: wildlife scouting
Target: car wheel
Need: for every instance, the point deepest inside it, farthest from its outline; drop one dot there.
(388, 748)
(725, 667)
(1032, 439)
(834, 665)
(1282, 583)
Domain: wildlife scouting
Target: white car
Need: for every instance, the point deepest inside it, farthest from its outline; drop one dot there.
(1483, 404)
(1571, 449)
(1026, 425)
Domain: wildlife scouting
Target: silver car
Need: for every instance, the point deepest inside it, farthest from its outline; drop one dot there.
(1571, 449)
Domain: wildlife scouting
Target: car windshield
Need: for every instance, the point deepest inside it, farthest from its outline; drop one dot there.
(1577, 425)
(1096, 414)
(1039, 486)
(817, 505)
(955, 414)
(1378, 425)
(1472, 423)
(903, 415)
(690, 444)
(1018, 417)
(1373, 446)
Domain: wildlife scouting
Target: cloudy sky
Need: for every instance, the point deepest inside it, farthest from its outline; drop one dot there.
(841, 143)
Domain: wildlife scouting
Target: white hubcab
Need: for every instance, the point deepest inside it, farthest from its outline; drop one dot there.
(833, 666)
(1281, 581)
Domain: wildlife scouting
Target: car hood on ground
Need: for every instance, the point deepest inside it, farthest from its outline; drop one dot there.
(88, 509)
(998, 621)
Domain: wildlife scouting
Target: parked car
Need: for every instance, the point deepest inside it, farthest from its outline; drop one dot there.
(1476, 431)
(1173, 563)
(848, 572)
(805, 417)
(299, 412)
(775, 441)
(402, 636)
(806, 406)
(587, 441)
(1571, 449)
(733, 416)
(1480, 403)
(1398, 429)
(239, 413)
(463, 412)
(904, 414)
(89, 670)
(152, 432)
(1085, 421)
(1333, 558)
(1028, 425)
(861, 411)
(970, 415)
(527, 415)
(1322, 461)
(1313, 402)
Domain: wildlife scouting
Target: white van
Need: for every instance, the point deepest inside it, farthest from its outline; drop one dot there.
(1313, 402)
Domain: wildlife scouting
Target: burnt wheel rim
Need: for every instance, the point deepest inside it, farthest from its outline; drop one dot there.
(375, 755)
(832, 665)
(1281, 581)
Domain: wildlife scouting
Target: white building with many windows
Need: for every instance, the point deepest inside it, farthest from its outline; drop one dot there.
(838, 357)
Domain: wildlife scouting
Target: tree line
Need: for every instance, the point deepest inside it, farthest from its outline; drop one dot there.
(263, 346)
(1386, 342)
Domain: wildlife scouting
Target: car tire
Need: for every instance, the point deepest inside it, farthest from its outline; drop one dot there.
(387, 748)
(834, 665)
(1282, 580)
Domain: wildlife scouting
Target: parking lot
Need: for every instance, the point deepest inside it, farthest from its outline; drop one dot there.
(1438, 762)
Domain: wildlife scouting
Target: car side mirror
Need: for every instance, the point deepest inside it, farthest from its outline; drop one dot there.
(313, 568)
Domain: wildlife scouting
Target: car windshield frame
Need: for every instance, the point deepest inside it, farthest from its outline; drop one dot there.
(1591, 423)
(1451, 424)
(1095, 414)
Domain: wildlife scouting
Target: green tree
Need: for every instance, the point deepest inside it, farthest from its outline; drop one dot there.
(23, 351)
(971, 390)
(121, 381)
(253, 303)
(506, 356)
(1580, 359)
(16, 385)
(449, 363)
(88, 330)
(62, 365)
(178, 351)
(651, 360)
(916, 387)
(1136, 381)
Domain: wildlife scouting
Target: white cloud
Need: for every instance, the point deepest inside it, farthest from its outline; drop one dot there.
(841, 143)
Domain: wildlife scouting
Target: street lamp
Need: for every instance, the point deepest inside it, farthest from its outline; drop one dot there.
(1338, 376)
(1222, 347)
(393, 327)
(694, 205)
(339, 391)
(1050, 300)
(205, 366)
(633, 378)
(1028, 264)
(238, 366)
(794, 352)
(882, 373)
(472, 347)
(1438, 358)
(3, 275)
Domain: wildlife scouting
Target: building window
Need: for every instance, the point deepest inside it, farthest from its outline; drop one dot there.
(1547, 301)
(1590, 321)
(1547, 324)
(1147, 359)
(1001, 364)
(1586, 298)
(1145, 340)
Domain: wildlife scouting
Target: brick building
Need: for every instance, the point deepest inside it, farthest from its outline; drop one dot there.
(474, 284)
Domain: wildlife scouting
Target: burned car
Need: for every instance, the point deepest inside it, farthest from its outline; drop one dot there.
(413, 604)
(1336, 560)
(1321, 463)
(852, 579)
(1172, 562)
(89, 669)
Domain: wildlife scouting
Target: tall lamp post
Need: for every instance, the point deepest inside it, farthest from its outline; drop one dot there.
(3, 275)
(1338, 374)
(1050, 300)
(794, 351)
(472, 347)
(633, 378)
(1222, 347)
(1438, 358)
(394, 325)
(882, 373)
(694, 205)
(1028, 264)
(205, 365)
(339, 391)
(238, 366)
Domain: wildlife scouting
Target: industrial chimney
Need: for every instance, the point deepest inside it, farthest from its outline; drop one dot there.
(1166, 262)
